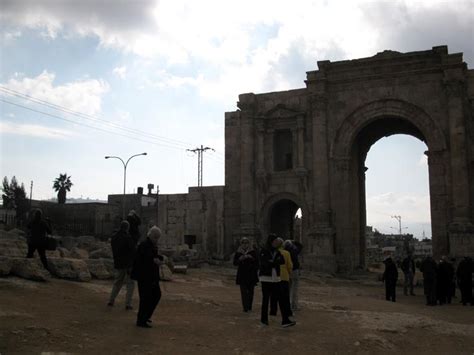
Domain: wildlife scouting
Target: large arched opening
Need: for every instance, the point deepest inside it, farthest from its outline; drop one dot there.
(359, 132)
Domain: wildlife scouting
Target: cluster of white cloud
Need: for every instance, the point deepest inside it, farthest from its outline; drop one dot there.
(415, 207)
(82, 95)
(34, 130)
(252, 46)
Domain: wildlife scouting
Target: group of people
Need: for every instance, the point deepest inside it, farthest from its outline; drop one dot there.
(439, 279)
(276, 266)
(138, 262)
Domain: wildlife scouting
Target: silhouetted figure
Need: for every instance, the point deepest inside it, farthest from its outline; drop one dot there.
(285, 274)
(270, 260)
(408, 268)
(146, 270)
(247, 273)
(294, 248)
(390, 277)
(445, 281)
(135, 222)
(429, 269)
(464, 277)
(123, 250)
(39, 230)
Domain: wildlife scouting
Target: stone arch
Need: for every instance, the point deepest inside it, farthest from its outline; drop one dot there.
(265, 211)
(347, 132)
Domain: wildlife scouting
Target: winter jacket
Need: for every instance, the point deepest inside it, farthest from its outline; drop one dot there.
(247, 272)
(134, 230)
(123, 250)
(145, 269)
(270, 259)
(287, 267)
(39, 230)
(408, 265)
(390, 274)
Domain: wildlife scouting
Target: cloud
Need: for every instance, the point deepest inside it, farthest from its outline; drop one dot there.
(413, 207)
(233, 47)
(33, 130)
(121, 72)
(423, 162)
(84, 95)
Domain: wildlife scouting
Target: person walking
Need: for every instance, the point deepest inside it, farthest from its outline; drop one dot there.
(146, 270)
(285, 274)
(464, 277)
(294, 248)
(270, 260)
(123, 250)
(390, 277)
(408, 268)
(135, 223)
(445, 280)
(429, 269)
(39, 229)
(247, 273)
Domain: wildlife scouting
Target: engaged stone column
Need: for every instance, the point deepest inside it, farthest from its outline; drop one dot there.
(300, 140)
(457, 130)
(320, 159)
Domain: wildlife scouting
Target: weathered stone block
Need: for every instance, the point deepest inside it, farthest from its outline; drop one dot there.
(98, 269)
(5, 265)
(101, 253)
(30, 269)
(70, 269)
(77, 253)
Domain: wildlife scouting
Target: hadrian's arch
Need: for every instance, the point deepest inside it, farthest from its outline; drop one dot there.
(306, 148)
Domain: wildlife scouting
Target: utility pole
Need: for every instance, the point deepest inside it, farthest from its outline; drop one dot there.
(200, 153)
(157, 205)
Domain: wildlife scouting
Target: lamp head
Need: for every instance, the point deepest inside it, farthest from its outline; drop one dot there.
(144, 153)
(107, 157)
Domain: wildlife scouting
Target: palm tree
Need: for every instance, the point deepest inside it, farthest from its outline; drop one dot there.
(61, 185)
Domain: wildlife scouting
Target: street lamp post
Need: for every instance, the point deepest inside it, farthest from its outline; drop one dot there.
(125, 164)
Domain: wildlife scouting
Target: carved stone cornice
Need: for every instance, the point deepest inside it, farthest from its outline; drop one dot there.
(454, 87)
(318, 101)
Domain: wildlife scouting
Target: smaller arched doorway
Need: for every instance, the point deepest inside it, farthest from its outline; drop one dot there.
(283, 215)
(283, 219)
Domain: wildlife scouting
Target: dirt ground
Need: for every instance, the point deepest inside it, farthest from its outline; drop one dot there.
(200, 312)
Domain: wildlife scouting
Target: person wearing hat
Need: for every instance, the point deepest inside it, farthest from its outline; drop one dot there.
(146, 270)
(123, 250)
(390, 277)
(247, 273)
(135, 223)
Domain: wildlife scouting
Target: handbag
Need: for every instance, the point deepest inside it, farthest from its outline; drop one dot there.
(50, 243)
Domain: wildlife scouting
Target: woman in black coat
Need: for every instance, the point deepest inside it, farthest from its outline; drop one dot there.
(246, 260)
(390, 276)
(271, 260)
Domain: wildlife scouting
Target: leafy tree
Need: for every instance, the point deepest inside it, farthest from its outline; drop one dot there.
(14, 197)
(62, 185)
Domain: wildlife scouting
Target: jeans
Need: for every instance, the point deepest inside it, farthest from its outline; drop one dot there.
(408, 283)
(32, 247)
(270, 289)
(246, 292)
(294, 285)
(284, 296)
(123, 276)
(150, 295)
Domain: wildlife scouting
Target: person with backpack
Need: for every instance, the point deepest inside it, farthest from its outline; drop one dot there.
(39, 229)
(123, 250)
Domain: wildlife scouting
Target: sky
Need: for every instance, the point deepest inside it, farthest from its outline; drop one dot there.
(80, 80)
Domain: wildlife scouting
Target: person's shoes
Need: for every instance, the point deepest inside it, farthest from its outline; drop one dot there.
(110, 304)
(246, 310)
(144, 325)
(264, 322)
(128, 308)
(149, 321)
(288, 323)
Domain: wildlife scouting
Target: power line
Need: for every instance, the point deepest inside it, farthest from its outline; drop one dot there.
(89, 126)
(90, 117)
(200, 153)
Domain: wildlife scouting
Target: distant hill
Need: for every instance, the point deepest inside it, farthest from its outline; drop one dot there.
(79, 200)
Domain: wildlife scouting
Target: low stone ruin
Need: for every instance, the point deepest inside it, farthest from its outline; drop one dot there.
(78, 259)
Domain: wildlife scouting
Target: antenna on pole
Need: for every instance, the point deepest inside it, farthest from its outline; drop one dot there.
(200, 153)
